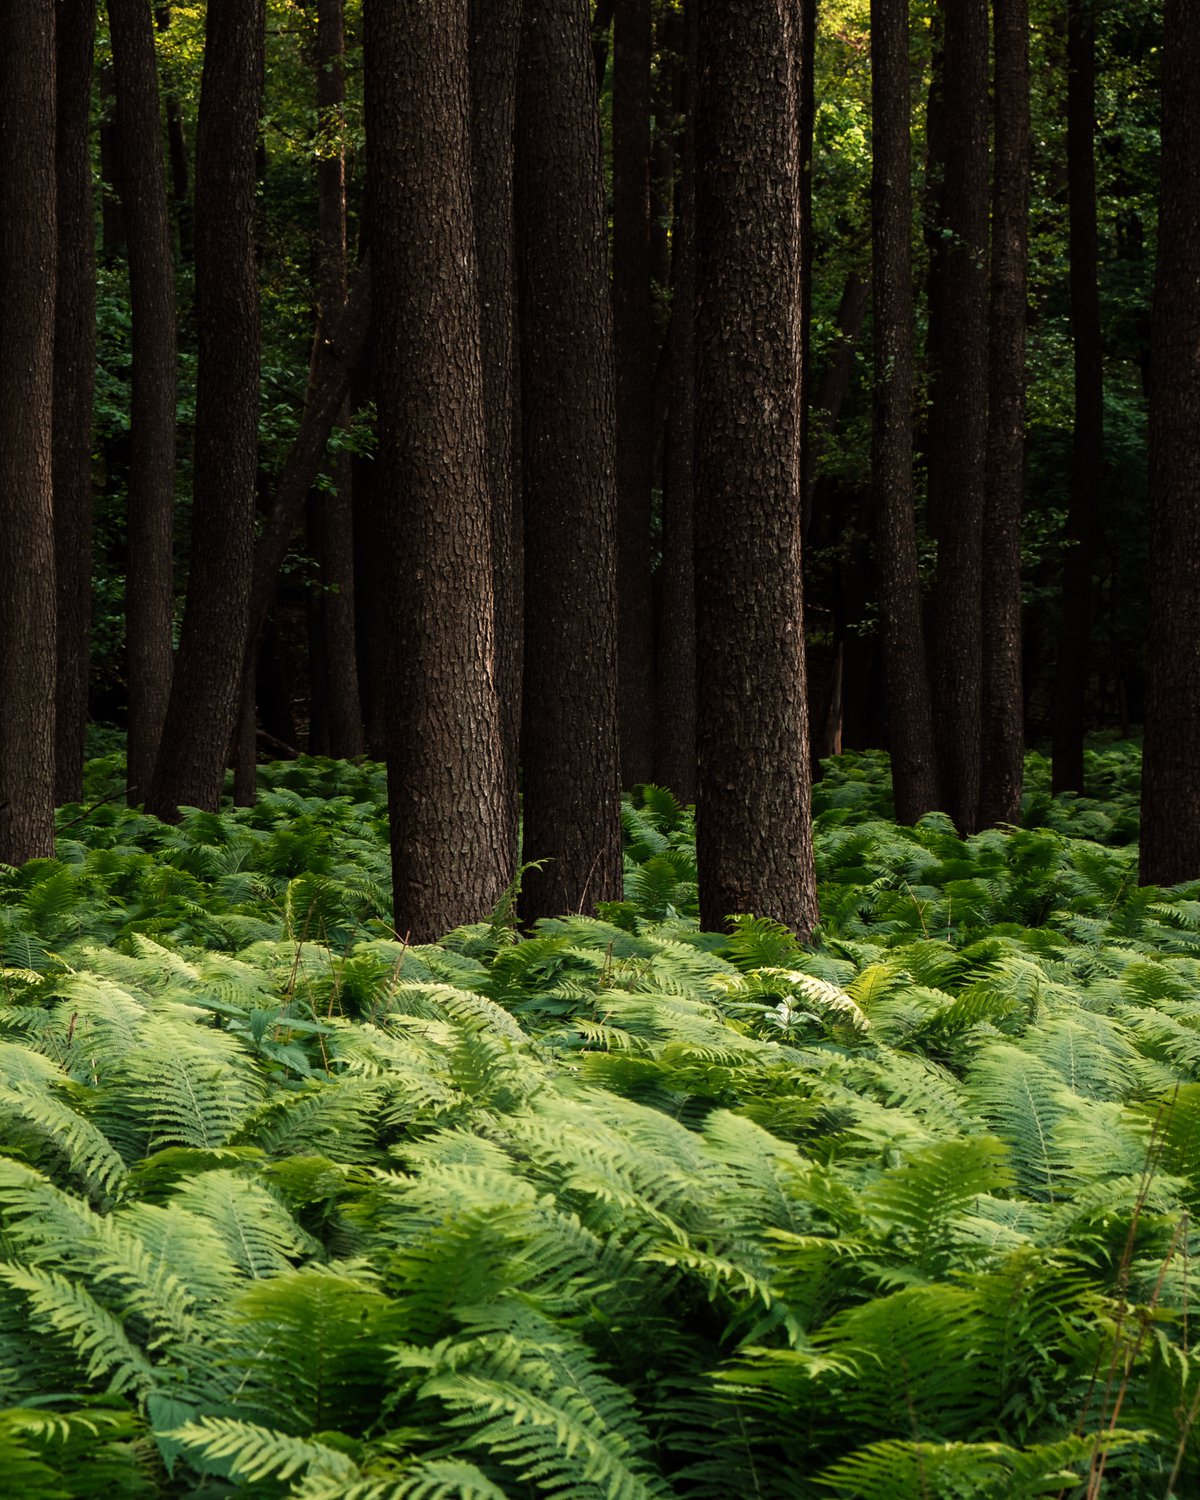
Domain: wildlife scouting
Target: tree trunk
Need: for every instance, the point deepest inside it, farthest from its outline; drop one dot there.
(754, 843)
(112, 221)
(177, 153)
(808, 120)
(958, 409)
(74, 385)
(634, 346)
(602, 19)
(1087, 448)
(149, 578)
(569, 736)
(495, 42)
(675, 688)
(450, 836)
(910, 715)
(1003, 697)
(824, 408)
(1170, 847)
(28, 194)
(206, 691)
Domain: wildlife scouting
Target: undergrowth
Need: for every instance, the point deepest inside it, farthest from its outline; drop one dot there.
(620, 1209)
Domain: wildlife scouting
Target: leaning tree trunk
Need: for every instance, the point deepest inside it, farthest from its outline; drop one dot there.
(74, 386)
(206, 691)
(28, 193)
(1003, 699)
(1170, 848)
(149, 573)
(754, 833)
(568, 735)
(910, 715)
(451, 854)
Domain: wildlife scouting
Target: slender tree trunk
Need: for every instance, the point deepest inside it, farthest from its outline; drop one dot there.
(910, 715)
(1170, 846)
(450, 836)
(958, 410)
(569, 736)
(675, 689)
(149, 579)
(824, 408)
(112, 221)
(495, 44)
(177, 153)
(1003, 697)
(754, 834)
(808, 119)
(206, 691)
(1087, 448)
(74, 383)
(28, 200)
(602, 20)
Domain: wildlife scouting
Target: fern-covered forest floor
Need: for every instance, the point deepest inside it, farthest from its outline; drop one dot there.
(623, 1209)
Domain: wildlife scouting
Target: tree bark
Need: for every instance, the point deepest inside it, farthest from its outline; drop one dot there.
(1087, 447)
(569, 736)
(177, 154)
(1003, 697)
(149, 578)
(205, 693)
(910, 714)
(754, 835)
(824, 408)
(495, 43)
(74, 386)
(450, 837)
(958, 408)
(28, 202)
(1170, 835)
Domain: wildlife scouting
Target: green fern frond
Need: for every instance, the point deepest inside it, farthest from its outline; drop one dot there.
(60, 1305)
(250, 1453)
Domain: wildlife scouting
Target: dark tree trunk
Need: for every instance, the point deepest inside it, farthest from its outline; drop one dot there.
(495, 43)
(177, 152)
(1170, 848)
(754, 843)
(602, 19)
(1003, 696)
(824, 408)
(451, 853)
(634, 346)
(112, 221)
(675, 687)
(149, 577)
(569, 735)
(910, 715)
(332, 513)
(74, 383)
(206, 691)
(958, 408)
(28, 194)
(808, 119)
(1087, 448)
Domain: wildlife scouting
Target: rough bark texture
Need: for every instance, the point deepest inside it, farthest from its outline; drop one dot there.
(634, 346)
(675, 687)
(910, 715)
(1087, 447)
(149, 575)
(206, 691)
(958, 409)
(28, 194)
(332, 530)
(1003, 699)
(450, 838)
(754, 842)
(807, 12)
(569, 728)
(495, 42)
(1170, 845)
(74, 385)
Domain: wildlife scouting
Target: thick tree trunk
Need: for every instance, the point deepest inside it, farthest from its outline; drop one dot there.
(28, 196)
(206, 691)
(74, 384)
(754, 842)
(1003, 697)
(1170, 848)
(634, 346)
(495, 44)
(451, 851)
(569, 734)
(910, 715)
(958, 408)
(149, 576)
(1087, 448)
